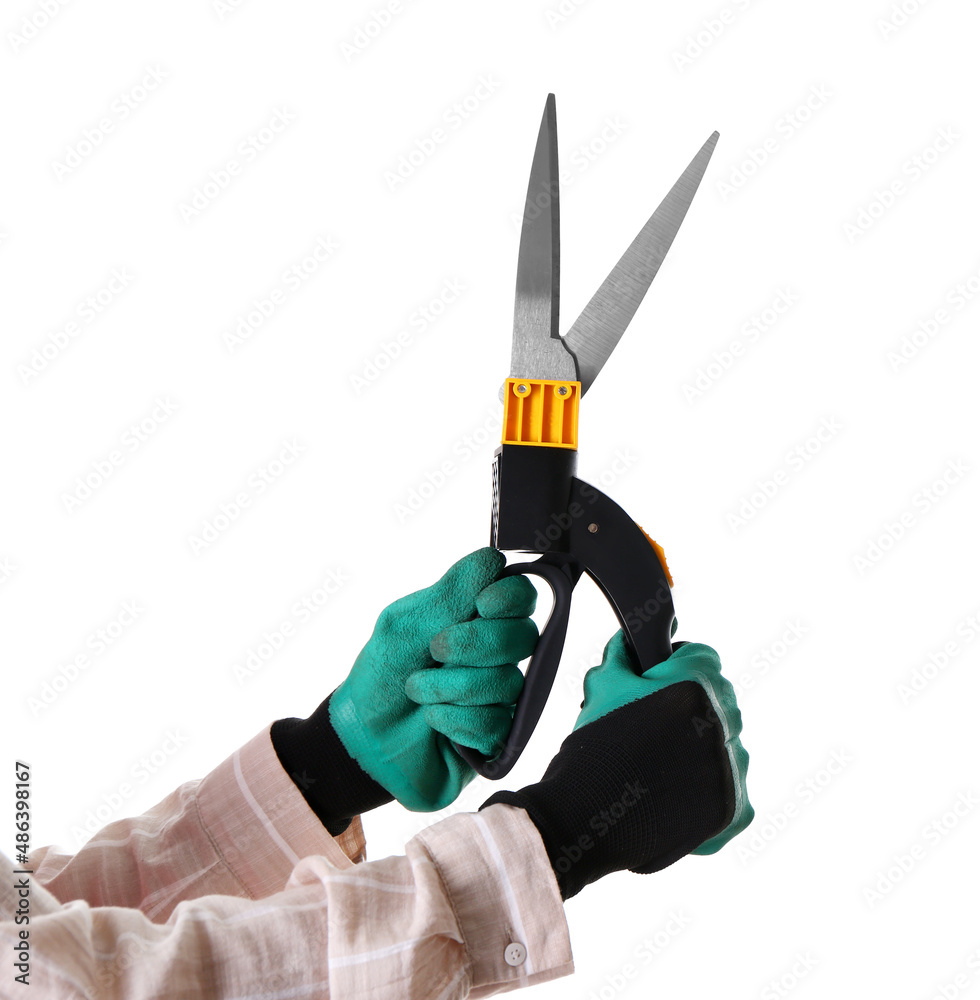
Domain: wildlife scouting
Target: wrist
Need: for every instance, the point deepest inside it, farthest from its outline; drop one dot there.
(533, 805)
(333, 783)
(401, 753)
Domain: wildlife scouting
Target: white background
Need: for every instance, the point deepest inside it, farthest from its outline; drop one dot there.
(639, 87)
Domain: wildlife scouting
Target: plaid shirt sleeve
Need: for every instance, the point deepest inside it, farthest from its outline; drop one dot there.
(231, 887)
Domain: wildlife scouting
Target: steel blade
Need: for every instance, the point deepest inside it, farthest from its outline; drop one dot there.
(537, 350)
(597, 331)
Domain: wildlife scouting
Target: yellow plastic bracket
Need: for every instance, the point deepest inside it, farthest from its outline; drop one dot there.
(541, 411)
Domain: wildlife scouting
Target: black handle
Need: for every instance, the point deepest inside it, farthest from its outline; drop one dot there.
(616, 553)
(539, 505)
(561, 574)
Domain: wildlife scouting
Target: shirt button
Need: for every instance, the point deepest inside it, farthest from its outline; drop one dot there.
(515, 953)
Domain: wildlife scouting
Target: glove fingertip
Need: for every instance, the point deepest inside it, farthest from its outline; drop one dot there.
(439, 647)
(456, 592)
(521, 638)
(483, 566)
(508, 597)
(416, 687)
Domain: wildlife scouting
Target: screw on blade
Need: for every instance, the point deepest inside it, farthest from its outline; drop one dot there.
(537, 350)
(597, 331)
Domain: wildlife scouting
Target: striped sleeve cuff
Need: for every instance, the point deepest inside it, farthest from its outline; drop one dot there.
(505, 897)
(260, 824)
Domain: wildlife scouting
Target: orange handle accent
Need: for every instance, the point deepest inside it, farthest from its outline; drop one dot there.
(660, 555)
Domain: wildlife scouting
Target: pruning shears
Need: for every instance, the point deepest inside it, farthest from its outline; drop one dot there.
(539, 504)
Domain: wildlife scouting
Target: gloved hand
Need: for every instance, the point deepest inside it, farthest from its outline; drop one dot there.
(441, 666)
(653, 770)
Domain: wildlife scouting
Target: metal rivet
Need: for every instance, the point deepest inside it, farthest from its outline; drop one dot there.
(593, 527)
(563, 390)
(522, 388)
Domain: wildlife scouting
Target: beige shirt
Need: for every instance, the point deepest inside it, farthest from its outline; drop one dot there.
(231, 887)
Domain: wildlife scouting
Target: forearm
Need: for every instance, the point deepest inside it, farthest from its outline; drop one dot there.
(439, 921)
(239, 831)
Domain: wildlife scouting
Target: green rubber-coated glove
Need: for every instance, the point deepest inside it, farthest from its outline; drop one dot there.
(614, 683)
(441, 667)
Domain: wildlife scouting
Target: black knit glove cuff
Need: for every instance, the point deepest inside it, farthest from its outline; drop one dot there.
(334, 785)
(568, 883)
